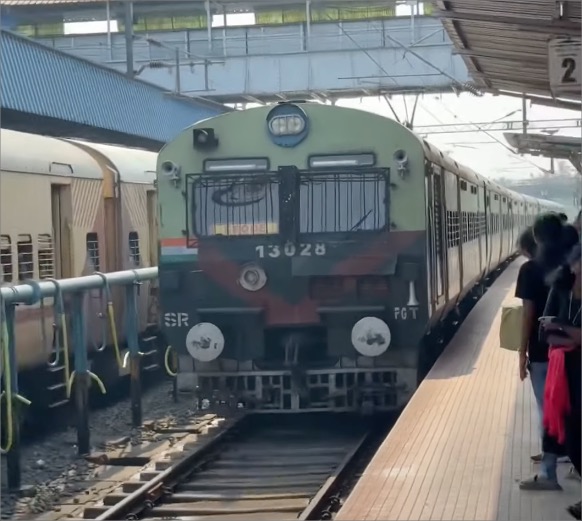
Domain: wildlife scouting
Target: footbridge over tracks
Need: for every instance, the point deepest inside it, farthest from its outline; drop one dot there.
(318, 56)
(49, 92)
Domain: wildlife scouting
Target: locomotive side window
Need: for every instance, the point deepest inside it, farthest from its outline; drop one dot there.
(6, 273)
(46, 257)
(134, 254)
(92, 244)
(25, 253)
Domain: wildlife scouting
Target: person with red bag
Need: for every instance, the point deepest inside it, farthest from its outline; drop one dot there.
(561, 329)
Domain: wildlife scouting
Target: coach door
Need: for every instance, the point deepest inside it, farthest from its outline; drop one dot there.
(61, 219)
(436, 236)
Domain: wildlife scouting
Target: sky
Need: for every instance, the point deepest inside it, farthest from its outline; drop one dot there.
(486, 153)
(478, 150)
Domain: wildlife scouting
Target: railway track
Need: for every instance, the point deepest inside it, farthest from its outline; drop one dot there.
(262, 467)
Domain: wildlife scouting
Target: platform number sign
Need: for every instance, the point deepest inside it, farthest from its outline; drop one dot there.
(565, 65)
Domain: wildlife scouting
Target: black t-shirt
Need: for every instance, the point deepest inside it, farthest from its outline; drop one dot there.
(562, 304)
(531, 286)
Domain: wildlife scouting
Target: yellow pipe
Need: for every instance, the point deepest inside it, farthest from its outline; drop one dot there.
(111, 315)
(167, 362)
(93, 376)
(7, 393)
(7, 388)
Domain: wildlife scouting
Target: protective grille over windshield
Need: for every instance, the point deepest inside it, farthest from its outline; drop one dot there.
(235, 205)
(342, 202)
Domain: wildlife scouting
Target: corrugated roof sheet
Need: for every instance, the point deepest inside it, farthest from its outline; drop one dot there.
(505, 42)
(8, 3)
(39, 80)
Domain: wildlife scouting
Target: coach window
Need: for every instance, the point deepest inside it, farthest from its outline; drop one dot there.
(5, 259)
(134, 255)
(46, 258)
(25, 253)
(452, 229)
(92, 244)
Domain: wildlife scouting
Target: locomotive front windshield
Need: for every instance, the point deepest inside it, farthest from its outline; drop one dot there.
(322, 202)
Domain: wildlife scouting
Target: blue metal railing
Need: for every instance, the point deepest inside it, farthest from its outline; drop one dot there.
(34, 292)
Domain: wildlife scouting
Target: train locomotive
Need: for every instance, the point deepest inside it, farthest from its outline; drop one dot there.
(306, 252)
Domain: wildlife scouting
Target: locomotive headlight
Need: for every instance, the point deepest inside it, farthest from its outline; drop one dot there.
(371, 336)
(287, 125)
(252, 277)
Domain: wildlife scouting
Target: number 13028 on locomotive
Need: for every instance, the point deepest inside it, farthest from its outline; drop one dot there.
(291, 250)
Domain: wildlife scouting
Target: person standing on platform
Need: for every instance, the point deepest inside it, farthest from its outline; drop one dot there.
(563, 396)
(533, 353)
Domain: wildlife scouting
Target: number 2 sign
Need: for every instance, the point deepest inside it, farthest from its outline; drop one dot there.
(565, 65)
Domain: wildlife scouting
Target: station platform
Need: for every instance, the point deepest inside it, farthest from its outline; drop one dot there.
(463, 443)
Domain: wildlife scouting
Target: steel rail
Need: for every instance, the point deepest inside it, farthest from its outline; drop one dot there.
(154, 489)
(150, 492)
(331, 484)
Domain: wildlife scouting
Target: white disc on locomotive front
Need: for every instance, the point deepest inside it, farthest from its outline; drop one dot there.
(205, 342)
(371, 336)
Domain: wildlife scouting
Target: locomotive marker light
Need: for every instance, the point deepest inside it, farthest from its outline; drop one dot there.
(172, 171)
(287, 125)
(401, 158)
(371, 336)
(342, 160)
(205, 342)
(252, 277)
(235, 165)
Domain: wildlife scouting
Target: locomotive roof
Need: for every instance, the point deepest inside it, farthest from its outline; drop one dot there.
(34, 154)
(134, 165)
(431, 152)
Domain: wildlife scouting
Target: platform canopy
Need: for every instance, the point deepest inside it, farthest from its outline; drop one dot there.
(508, 45)
(558, 147)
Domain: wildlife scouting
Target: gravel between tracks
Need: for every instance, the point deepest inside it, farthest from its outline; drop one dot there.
(51, 469)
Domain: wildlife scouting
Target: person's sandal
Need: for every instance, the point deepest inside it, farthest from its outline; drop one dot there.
(574, 510)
